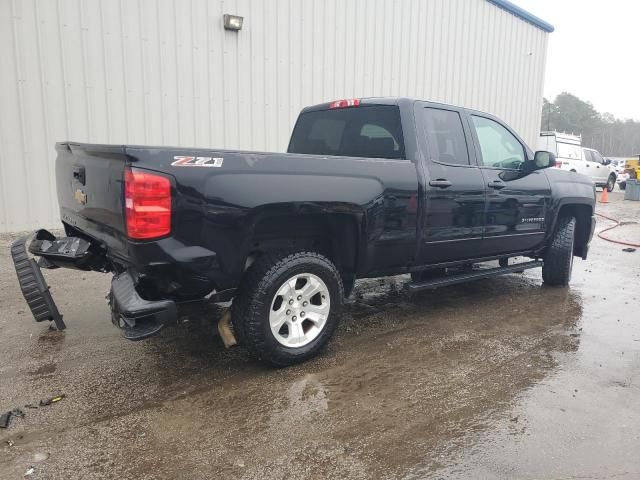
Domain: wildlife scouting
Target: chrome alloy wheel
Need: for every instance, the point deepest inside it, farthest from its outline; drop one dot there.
(299, 310)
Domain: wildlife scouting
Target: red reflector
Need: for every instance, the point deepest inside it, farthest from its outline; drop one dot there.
(147, 200)
(352, 102)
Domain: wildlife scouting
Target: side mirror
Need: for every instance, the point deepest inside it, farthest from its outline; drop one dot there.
(607, 161)
(543, 159)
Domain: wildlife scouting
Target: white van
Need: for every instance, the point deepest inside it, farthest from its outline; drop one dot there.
(570, 155)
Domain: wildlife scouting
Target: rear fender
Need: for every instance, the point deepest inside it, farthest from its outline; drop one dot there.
(333, 229)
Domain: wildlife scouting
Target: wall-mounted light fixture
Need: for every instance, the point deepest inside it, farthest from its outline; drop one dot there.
(232, 22)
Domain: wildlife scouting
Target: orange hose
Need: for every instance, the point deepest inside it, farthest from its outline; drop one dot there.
(621, 242)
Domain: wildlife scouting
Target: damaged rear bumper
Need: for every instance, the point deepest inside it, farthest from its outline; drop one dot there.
(33, 285)
(67, 252)
(136, 317)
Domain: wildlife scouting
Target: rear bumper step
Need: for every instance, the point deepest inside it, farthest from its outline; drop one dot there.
(67, 252)
(33, 285)
(136, 317)
(473, 275)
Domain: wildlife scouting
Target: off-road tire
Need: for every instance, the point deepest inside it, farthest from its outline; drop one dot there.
(558, 260)
(250, 308)
(611, 184)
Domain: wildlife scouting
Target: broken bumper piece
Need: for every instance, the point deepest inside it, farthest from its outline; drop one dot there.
(136, 317)
(33, 285)
(67, 252)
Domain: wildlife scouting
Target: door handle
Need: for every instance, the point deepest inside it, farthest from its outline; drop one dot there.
(79, 175)
(440, 183)
(497, 184)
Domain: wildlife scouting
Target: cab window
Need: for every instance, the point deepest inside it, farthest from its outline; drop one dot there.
(445, 136)
(372, 131)
(498, 146)
(597, 157)
(588, 155)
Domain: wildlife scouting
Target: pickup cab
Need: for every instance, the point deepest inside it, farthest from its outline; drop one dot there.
(368, 187)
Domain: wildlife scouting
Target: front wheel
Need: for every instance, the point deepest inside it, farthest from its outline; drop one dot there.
(558, 261)
(611, 184)
(288, 307)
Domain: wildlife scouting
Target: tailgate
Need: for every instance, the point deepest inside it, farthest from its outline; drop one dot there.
(90, 190)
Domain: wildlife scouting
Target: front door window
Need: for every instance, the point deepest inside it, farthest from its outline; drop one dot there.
(498, 146)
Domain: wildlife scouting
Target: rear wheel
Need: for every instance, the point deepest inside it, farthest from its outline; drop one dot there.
(287, 307)
(611, 183)
(558, 261)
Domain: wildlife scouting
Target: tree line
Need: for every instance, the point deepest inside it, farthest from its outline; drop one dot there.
(611, 136)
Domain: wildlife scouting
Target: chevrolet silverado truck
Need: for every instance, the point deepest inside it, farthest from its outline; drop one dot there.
(368, 188)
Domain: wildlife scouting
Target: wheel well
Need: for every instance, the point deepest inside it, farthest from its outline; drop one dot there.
(333, 235)
(582, 214)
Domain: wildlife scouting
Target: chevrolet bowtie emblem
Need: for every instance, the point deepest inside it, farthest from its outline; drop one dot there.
(81, 197)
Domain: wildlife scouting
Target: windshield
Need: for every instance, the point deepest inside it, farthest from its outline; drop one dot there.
(367, 131)
(566, 150)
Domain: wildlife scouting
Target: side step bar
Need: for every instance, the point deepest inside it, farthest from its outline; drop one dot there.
(474, 275)
(33, 285)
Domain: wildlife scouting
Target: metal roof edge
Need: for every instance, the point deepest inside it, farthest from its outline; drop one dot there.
(523, 14)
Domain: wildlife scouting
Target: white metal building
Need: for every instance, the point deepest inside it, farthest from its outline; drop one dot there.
(166, 72)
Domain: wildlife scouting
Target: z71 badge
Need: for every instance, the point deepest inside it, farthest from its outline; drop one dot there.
(180, 161)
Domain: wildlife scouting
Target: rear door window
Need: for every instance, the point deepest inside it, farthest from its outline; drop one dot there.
(445, 136)
(372, 131)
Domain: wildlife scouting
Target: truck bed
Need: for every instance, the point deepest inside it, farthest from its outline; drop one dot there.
(217, 196)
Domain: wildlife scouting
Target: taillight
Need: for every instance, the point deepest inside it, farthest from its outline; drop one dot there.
(352, 102)
(558, 164)
(147, 200)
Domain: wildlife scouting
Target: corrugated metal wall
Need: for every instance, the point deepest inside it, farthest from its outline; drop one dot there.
(166, 72)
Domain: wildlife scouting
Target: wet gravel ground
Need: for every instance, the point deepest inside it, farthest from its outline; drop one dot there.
(501, 378)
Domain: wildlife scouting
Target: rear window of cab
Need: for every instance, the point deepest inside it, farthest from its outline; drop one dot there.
(370, 131)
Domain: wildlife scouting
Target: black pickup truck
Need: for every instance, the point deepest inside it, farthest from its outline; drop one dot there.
(368, 188)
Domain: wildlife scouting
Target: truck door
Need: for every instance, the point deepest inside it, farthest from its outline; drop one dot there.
(517, 202)
(602, 170)
(452, 223)
(592, 168)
